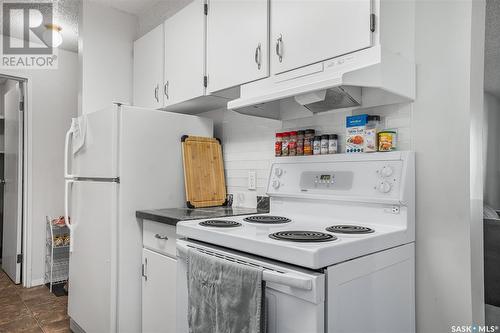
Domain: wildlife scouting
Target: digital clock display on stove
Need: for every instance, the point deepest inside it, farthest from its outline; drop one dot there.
(325, 177)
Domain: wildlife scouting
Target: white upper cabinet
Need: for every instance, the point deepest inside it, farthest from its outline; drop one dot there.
(185, 54)
(305, 32)
(237, 42)
(148, 69)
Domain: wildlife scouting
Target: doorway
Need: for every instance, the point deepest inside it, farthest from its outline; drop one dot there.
(11, 176)
(491, 164)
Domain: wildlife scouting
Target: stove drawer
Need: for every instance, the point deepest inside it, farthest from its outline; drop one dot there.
(159, 237)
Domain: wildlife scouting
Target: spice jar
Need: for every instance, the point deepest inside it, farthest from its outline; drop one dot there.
(371, 134)
(284, 143)
(387, 141)
(292, 144)
(324, 144)
(308, 141)
(300, 143)
(333, 144)
(278, 144)
(317, 145)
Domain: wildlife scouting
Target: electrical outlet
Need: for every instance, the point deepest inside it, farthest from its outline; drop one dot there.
(392, 210)
(252, 180)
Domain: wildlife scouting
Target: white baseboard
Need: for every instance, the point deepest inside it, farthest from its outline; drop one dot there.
(37, 282)
(74, 327)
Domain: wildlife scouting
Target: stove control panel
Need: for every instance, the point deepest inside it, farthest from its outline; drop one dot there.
(373, 177)
(338, 180)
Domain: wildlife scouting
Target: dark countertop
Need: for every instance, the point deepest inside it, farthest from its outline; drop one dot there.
(173, 215)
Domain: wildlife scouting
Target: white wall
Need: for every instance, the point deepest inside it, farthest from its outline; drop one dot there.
(52, 102)
(6, 87)
(476, 104)
(105, 48)
(492, 150)
(448, 227)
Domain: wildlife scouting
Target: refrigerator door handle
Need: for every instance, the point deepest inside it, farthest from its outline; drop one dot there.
(67, 154)
(67, 196)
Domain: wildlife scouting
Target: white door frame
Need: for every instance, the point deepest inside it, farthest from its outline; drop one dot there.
(25, 87)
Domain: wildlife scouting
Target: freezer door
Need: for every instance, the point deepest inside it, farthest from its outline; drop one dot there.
(93, 260)
(98, 157)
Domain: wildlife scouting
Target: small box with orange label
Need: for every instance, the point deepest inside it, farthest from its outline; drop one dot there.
(355, 133)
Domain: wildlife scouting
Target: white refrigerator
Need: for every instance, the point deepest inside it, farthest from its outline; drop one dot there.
(118, 160)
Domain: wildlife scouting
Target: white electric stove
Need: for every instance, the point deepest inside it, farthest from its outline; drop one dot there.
(337, 246)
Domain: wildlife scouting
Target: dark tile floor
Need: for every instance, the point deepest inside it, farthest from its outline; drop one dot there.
(31, 310)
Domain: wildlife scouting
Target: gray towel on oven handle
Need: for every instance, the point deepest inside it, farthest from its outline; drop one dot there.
(224, 296)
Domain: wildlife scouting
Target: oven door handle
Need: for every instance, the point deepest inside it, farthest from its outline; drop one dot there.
(287, 279)
(268, 275)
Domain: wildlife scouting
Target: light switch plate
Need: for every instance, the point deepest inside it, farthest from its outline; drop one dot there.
(252, 180)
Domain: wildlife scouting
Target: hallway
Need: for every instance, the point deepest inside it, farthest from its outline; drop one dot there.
(31, 310)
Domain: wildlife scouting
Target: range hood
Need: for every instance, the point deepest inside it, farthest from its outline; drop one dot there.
(366, 78)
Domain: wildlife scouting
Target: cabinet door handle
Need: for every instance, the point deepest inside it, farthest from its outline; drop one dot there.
(279, 47)
(157, 88)
(258, 56)
(145, 269)
(162, 237)
(165, 89)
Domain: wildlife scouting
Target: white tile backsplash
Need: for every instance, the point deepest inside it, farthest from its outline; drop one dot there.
(247, 145)
(248, 142)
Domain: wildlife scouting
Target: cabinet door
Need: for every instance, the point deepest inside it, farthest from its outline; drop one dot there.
(305, 32)
(185, 54)
(237, 42)
(148, 69)
(158, 293)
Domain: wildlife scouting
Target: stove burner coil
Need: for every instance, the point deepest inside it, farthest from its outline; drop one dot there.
(267, 219)
(303, 236)
(220, 223)
(349, 229)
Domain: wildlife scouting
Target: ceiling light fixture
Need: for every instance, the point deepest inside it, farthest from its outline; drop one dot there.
(55, 31)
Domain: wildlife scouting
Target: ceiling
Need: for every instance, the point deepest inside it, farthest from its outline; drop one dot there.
(134, 7)
(492, 48)
(66, 14)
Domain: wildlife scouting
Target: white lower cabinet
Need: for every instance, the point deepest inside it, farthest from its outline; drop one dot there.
(158, 292)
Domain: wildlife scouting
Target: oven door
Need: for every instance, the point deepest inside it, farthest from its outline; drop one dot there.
(295, 297)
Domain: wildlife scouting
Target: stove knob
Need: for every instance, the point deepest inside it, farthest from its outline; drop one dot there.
(275, 184)
(278, 172)
(386, 171)
(384, 187)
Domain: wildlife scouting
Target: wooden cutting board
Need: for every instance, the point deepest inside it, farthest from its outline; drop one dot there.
(203, 172)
